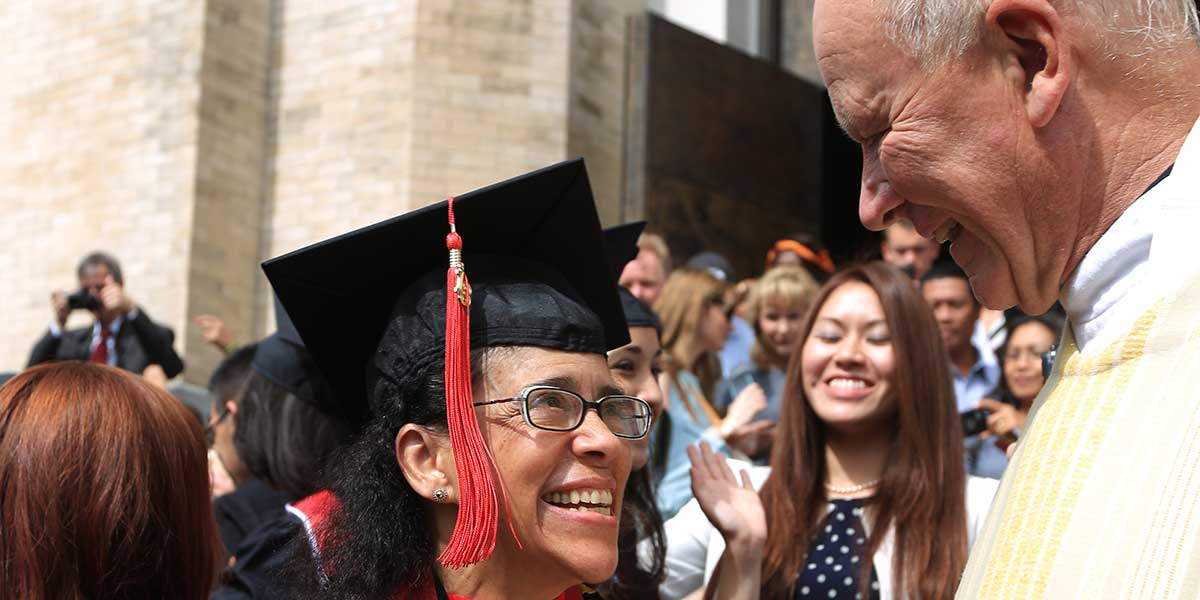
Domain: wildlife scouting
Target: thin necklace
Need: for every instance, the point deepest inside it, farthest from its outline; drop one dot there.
(852, 489)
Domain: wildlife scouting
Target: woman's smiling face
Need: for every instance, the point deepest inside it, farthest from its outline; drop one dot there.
(635, 368)
(564, 487)
(780, 323)
(848, 361)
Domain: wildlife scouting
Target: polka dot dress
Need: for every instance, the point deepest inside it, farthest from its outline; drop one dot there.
(831, 569)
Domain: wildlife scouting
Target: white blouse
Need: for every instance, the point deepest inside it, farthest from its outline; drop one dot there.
(694, 546)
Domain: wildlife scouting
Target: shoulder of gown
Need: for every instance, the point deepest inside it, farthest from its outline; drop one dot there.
(257, 569)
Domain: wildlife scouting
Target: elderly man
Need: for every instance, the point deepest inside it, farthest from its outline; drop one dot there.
(1055, 143)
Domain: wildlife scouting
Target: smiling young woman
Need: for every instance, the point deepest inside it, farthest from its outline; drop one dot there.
(1028, 338)
(866, 492)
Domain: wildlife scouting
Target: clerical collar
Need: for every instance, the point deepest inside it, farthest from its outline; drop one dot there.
(1112, 267)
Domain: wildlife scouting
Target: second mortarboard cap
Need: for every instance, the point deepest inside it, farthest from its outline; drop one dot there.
(620, 243)
(377, 306)
(282, 359)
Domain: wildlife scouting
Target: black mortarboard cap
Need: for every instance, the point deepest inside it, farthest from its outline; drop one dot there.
(534, 255)
(620, 243)
(282, 358)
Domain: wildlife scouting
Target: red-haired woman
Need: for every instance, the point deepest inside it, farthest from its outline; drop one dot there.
(866, 494)
(103, 489)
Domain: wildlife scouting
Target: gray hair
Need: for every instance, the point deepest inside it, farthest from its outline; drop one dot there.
(938, 30)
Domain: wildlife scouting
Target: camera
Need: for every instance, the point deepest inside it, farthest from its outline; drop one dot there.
(82, 299)
(1048, 359)
(974, 422)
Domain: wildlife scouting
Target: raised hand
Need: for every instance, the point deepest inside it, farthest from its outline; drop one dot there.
(745, 406)
(733, 507)
(58, 301)
(113, 297)
(752, 438)
(214, 331)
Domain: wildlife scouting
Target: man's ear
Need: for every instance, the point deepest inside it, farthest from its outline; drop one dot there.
(1038, 46)
(427, 463)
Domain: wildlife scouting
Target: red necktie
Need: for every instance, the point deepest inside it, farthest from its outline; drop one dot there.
(100, 352)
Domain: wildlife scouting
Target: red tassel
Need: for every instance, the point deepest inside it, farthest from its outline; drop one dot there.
(474, 536)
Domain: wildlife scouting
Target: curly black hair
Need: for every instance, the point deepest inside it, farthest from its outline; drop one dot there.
(381, 540)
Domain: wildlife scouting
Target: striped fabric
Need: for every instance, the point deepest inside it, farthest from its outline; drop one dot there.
(1102, 498)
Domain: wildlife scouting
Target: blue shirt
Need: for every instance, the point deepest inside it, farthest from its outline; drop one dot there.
(737, 346)
(772, 381)
(983, 458)
(981, 378)
(675, 488)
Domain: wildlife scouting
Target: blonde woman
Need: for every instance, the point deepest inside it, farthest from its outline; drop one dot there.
(777, 305)
(694, 310)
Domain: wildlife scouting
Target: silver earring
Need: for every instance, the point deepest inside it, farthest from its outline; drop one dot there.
(440, 495)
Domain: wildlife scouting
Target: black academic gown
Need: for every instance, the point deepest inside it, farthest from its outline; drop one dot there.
(245, 509)
(259, 560)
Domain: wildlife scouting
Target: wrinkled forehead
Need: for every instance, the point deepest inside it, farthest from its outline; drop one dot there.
(855, 57)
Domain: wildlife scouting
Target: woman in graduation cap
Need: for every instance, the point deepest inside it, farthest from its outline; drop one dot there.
(636, 367)
(273, 433)
(495, 446)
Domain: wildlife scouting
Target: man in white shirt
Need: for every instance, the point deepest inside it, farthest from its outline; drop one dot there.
(121, 336)
(1037, 136)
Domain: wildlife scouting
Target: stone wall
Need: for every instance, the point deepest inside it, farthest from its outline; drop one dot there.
(383, 107)
(196, 139)
(231, 173)
(98, 144)
(596, 125)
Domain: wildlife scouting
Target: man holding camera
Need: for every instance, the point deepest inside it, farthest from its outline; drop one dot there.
(973, 365)
(123, 334)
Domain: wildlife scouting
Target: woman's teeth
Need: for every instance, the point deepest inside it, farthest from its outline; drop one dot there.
(597, 501)
(850, 384)
(946, 231)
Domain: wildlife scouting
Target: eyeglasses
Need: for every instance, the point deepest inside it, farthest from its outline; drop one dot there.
(212, 426)
(554, 409)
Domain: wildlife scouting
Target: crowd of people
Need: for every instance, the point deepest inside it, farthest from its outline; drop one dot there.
(856, 386)
(492, 397)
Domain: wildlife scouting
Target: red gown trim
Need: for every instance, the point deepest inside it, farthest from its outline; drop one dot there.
(313, 512)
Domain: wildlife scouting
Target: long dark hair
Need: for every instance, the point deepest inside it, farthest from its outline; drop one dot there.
(636, 578)
(104, 489)
(284, 440)
(381, 540)
(922, 493)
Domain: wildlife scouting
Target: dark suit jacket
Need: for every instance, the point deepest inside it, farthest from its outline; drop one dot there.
(140, 343)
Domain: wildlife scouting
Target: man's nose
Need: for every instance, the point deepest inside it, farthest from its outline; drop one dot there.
(878, 203)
